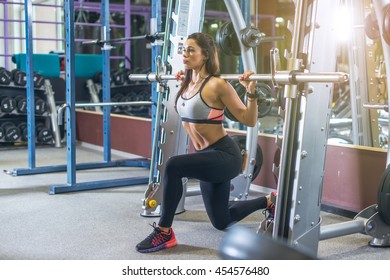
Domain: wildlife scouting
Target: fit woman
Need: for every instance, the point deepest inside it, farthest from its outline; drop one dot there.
(200, 102)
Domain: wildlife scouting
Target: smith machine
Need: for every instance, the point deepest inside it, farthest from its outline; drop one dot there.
(297, 220)
(169, 137)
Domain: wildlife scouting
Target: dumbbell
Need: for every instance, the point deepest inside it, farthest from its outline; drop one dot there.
(44, 135)
(116, 98)
(127, 98)
(7, 104)
(38, 80)
(1, 133)
(19, 77)
(40, 106)
(5, 76)
(11, 132)
(119, 77)
(21, 104)
(23, 131)
(98, 78)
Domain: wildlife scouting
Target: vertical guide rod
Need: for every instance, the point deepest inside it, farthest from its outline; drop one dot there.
(70, 93)
(106, 80)
(28, 9)
(155, 26)
(287, 154)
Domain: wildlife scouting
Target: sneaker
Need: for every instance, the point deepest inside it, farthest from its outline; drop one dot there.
(157, 240)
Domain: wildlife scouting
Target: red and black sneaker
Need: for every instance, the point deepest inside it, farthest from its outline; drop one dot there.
(157, 240)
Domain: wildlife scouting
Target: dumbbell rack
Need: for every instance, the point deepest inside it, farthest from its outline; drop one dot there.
(122, 90)
(13, 116)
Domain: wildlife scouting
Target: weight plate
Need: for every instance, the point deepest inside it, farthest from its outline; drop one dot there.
(241, 142)
(386, 24)
(371, 26)
(227, 40)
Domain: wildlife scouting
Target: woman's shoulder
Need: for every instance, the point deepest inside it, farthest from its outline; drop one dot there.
(217, 80)
(218, 85)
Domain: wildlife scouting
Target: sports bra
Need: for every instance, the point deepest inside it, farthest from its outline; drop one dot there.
(195, 109)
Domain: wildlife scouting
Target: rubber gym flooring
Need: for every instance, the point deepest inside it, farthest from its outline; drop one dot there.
(106, 224)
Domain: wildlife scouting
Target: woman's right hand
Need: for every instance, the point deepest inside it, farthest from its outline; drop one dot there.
(180, 77)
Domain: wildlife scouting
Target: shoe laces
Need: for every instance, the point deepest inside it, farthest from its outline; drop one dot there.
(157, 237)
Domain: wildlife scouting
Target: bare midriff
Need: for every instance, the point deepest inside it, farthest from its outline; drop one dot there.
(203, 135)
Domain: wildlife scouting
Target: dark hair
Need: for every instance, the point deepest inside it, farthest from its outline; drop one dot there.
(209, 50)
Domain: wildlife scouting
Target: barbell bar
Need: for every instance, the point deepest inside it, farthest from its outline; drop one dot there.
(78, 105)
(150, 37)
(378, 106)
(281, 77)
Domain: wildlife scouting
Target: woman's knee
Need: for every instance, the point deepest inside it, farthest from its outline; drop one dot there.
(219, 225)
(172, 165)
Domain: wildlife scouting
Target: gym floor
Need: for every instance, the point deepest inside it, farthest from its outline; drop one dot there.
(106, 224)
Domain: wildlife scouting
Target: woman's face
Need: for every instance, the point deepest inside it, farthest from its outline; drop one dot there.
(192, 55)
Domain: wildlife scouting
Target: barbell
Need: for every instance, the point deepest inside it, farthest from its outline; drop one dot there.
(149, 37)
(280, 77)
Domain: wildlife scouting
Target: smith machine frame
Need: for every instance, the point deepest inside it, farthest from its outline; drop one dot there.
(169, 138)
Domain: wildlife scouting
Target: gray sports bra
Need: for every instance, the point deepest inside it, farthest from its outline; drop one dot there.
(195, 109)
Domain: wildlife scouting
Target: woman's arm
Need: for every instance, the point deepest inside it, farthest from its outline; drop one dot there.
(246, 115)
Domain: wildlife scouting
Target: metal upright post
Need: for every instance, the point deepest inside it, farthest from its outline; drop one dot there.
(248, 61)
(106, 80)
(155, 26)
(70, 93)
(128, 33)
(30, 84)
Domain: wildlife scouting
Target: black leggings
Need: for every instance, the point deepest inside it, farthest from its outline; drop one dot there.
(214, 167)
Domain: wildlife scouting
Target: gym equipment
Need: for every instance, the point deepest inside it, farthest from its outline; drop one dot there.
(116, 98)
(371, 26)
(52, 108)
(265, 100)
(23, 131)
(169, 138)
(5, 76)
(386, 24)
(119, 77)
(1, 133)
(70, 106)
(172, 143)
(40, 106)
(293, 77)
(93, 92)
(150, 37)
(19, 77)
(11, 132)
(241, 142)
(21, 104)
(38, 80)
(7, 104)
(44, 134)
(384, 196)
(241, 243)
(303, 147)
(227, 39)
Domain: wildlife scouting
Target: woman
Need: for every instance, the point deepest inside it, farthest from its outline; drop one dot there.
(200, 102)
